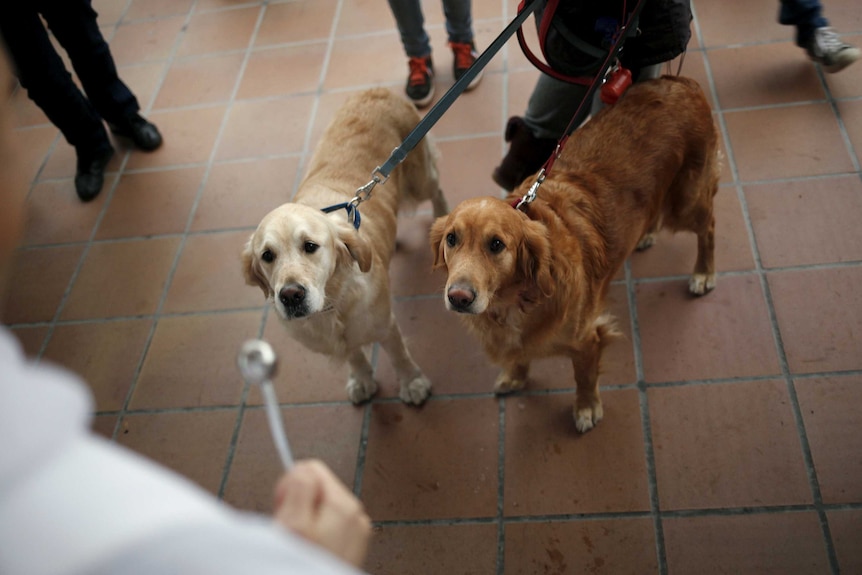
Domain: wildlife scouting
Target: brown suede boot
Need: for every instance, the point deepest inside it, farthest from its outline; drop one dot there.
(526, 154)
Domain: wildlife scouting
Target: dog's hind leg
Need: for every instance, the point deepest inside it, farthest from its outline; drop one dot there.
(703, 278)
(649, 236)
(415, 387)
(360, 384)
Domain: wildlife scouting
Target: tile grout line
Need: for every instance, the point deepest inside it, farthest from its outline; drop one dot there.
(802, 435)
(234, 439)
(359, 470)
(48, 153)
(232, 444)
(776, 334)
(611, 515)
(155, 316)
(811, 471)
(646, 424)
(88, 244)
(307, 150)
(492, 395)
(500, 519)
(845, 136)
(301, 169)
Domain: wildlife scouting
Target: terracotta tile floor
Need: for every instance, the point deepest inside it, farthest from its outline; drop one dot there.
(731, 440)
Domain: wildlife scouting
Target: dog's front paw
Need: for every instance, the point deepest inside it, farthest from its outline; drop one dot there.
(507, 384)
(416, 391)
(360, 389)
(700, 284)
(587, 416)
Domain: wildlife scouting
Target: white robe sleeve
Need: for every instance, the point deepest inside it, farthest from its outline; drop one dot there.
(71, 502)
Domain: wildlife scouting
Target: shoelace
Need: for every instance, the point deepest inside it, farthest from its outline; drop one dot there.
(828, 40)
(418, 71)
(463, 54)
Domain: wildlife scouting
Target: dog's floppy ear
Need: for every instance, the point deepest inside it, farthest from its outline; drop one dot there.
(251, 270)
(356, 246)
(436, 240)
(534, 257)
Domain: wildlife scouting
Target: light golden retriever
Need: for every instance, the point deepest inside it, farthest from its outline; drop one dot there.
(532, 282)
(329, 282)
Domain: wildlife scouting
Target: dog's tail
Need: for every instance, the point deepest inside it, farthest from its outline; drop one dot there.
(420, 178)
(607, 329)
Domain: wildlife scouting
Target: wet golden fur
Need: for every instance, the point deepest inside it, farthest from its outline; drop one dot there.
(329, 282)
(650, 161)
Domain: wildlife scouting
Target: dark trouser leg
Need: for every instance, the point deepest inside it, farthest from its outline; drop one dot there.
(806, 15)
(73, 22)
(48, 83)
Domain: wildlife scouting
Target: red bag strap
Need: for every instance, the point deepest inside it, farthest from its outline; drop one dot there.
(544, 25)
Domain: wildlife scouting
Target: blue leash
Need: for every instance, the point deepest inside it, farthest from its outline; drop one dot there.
(381, 173)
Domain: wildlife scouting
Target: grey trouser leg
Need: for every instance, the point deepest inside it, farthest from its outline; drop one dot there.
(553, 103)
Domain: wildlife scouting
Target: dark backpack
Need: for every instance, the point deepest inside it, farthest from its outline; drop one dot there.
(576, 36)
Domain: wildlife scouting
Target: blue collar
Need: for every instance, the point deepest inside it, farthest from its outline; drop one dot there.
(352, 212)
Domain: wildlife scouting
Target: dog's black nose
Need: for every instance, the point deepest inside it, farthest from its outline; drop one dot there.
(292, 295)
(460, 297)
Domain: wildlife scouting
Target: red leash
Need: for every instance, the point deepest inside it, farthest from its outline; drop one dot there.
(620, 79)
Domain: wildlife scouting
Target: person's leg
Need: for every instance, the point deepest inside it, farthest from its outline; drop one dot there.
(48, 83)
(552, 105)
(549, 111)
(813, 33)
(459, 20)
(459, 28)
(533, 138)
(73, 23)
(411, 26)
(805, 15)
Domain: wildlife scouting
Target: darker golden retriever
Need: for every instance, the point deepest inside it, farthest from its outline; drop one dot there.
(531, 282)
(329, 282)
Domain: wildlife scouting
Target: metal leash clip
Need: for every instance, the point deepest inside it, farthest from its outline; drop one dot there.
(364, 192)
(531, 193)
(257, 363)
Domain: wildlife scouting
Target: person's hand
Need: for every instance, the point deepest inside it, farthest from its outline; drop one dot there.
(311, 501)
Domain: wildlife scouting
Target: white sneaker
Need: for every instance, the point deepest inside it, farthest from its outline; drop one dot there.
(827, 49)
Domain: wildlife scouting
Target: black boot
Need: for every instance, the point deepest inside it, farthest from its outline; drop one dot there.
(141, 132)
(90, 175)
(526, 155)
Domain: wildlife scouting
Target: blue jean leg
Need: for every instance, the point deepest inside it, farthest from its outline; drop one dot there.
(411, 25)
(459, 21)
(806, 15)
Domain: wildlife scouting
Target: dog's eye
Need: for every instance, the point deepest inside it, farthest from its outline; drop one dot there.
(267, 256)
(310, 247)
(496, 246)
(451, 239)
